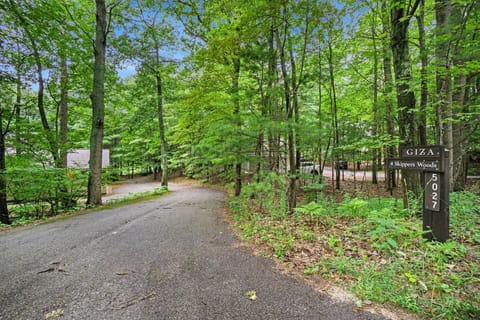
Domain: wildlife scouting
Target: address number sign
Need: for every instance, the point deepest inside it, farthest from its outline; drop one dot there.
(432, 191)
(431, 162)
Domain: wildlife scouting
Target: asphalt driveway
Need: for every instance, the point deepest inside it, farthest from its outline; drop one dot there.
(169, 258)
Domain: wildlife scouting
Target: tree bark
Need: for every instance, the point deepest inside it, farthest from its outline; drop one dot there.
(272, 107)
(63, 113)
(291, 188)
(400, 15)
(161, 126)
(320, 115)
(375, 127)
(3, 183)
(390, 180)
(98, 107)
(443, 54)
(161, 122)
(336, 133)
(18, 103)
(236, 114)
(422, 121)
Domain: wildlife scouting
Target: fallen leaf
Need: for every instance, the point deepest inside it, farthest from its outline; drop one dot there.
(423, 285)
(252, 295)
(54, 314)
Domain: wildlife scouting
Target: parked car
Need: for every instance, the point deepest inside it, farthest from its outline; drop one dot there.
(309, 167)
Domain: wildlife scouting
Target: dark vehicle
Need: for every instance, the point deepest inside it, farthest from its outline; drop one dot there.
(342, 164)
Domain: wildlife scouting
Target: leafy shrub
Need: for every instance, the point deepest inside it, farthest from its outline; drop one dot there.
(38, 191)
(266, 196)
(355, 207)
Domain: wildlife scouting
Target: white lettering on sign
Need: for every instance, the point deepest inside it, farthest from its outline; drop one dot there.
(422, 152)
(432, 189)
(433, 165)
(419, 152)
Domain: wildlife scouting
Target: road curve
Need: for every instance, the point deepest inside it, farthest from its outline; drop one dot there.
(168, 258)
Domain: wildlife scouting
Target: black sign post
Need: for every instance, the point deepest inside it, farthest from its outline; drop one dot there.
(432, 162)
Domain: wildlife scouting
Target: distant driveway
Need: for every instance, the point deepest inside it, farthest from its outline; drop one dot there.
(350, 174)
(169, 258)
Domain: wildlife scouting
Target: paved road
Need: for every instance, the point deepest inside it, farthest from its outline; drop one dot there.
(168, 258)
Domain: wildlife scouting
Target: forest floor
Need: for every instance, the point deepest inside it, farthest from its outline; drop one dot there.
(360, 239)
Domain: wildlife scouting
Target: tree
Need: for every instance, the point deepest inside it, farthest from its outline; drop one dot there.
(6, 118)
(102, 29)
(455, 89)
(401, 13)
(151, 36)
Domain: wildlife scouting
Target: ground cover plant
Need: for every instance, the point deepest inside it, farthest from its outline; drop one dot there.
(374, 248)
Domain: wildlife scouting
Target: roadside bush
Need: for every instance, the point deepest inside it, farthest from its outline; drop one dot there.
(37, 191)
(266, 197)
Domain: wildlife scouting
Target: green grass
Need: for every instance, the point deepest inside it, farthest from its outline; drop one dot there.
(375, 249)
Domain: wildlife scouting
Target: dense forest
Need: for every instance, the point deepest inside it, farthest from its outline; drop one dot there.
(231, 89)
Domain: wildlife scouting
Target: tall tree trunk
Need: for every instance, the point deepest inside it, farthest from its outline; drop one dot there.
(98, 107)
(291, 189)
(375, 127)
(161, 126)
(401, 15)
(161, 121)
(3, 183)
(18, 103)
(273, 140)
(236, 113)
(295, 107)
(422, 115)
(63, 139)
(443, 54)
(336, 133)
(297, 75)
(390, 180)
(66, 199)
(320, 115)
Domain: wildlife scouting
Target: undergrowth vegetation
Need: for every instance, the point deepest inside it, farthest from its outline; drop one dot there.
(373, 246)
(29, 214)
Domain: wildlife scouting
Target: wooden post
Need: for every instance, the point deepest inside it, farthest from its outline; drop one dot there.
(432, 161)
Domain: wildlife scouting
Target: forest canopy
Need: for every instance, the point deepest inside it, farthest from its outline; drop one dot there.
(230, 88)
